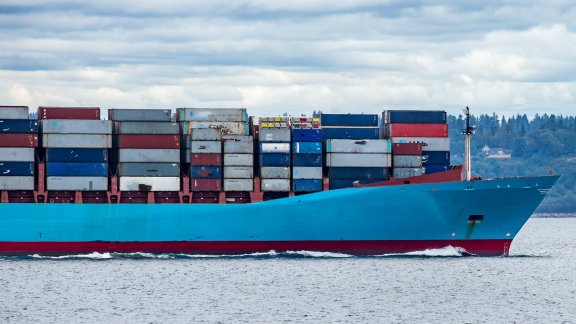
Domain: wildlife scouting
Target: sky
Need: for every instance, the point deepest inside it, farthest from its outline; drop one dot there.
(364, 56)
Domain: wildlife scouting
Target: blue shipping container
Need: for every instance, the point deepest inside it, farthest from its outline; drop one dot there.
(306, 135)
(76, 155)
(307, 148)
(307, 185)
(16, 169)
(274, 159)
(414, 117)
(349, 120)
(76, 169)
(351, 133)
(435, 157)
(348, 183)
(205, 172)
(19, 126)
(307, 160)
(435, 168)
(359, 173)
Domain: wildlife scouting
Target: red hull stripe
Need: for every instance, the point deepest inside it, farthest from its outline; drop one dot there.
(478, 247)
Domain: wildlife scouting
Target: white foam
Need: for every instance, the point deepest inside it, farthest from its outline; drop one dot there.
(316, 254)
(448, 251)
(93, 255)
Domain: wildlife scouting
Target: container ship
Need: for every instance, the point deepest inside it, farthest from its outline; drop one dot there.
(216, 181)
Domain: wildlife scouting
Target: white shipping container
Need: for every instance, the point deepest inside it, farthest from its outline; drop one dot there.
(407, 161)
(381, 160)
(17, 183)
(238, 185)
(205, 134)
(432, 143)
(399, 173)
(77, 140)
(17, 154)
(307, 173)
(276, 185)
(226, 128)
(77, 183)
(73, 126)
(275, 135)
(275, 147)
(238, 172)
(238, 159)
(155, 183)
(14, 112)
(231, 146)
(206, 147)
(358, 146)
(212, 114)
(149, 155)
(275, 172)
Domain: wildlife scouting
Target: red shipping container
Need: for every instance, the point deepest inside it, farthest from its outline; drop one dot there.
(205, 184)
(407, 148)
(91, 113)
(207, 159)
(18, 140)
(149, 141)
(417, 130)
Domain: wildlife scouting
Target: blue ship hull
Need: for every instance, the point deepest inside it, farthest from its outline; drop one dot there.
(481, 217)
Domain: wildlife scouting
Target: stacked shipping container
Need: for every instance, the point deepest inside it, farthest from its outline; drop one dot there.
(76, 144)
(354, 152)
(306, 155)
(275, 161)
(220, 151)
(18, 139)
(146, 149)
(421, 126)
(407, 160)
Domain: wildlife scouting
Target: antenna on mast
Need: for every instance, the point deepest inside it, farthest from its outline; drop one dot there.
(468, 132)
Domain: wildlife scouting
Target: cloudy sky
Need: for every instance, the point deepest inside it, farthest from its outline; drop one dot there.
(507, 57)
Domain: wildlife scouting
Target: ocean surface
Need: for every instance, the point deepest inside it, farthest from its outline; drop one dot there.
(536, 284)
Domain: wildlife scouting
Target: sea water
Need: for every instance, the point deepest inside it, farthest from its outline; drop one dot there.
(535, 284)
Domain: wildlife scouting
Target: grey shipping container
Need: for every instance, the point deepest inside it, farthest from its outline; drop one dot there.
(206, 147)
(275, 135)
(149, 169)
(75, 126)
(238, 159)
(399, 173)
(14, 112)
(16, 183)
(211, 114)
(77, 140)
(153, 183)
(77, 183)
(238, 185)
(275, 172)
(17, 154)
(238, 147)
(128, 127)
(140, 114)
(358, 160)
(205, 134)
(149, 155)
(229, 128)
(358, 146)
(277, 185)
(407, 161)
(432, 143)
(275, 147)
(307, 173)
(238, 172)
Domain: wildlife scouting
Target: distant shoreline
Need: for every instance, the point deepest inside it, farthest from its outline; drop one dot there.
(553, 215)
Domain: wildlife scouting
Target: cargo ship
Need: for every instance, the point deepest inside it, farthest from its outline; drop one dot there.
(215, 181)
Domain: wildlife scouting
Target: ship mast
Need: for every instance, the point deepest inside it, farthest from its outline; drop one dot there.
(468, 132)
